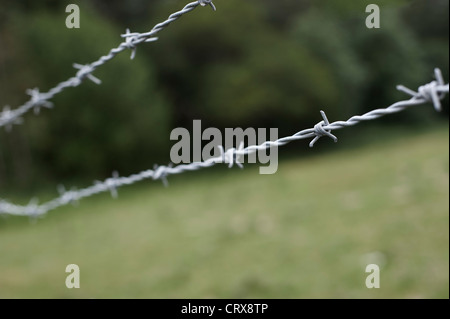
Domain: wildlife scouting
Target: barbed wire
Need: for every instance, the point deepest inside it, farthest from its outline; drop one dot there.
(432, 92)
(38, 100)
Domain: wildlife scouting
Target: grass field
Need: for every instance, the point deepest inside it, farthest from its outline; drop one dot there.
(308, 231)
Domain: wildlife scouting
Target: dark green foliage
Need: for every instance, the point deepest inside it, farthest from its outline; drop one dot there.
(253, 63)
(93, 129)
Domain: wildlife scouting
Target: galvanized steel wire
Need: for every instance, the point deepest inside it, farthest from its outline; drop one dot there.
(39, 100)
(432, 92)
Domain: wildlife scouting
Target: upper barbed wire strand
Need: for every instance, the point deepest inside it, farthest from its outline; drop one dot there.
(433, 92)
(10, 117)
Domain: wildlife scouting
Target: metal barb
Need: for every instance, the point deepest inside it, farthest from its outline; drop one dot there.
(207, 2)
(130, 42)
(432, 92)
(160, 172)
(38, 100)
(33, 211)
(231, 156)
(8, 119)
(133, 39)
(320, 130)
(68, 197)
(85, 72)
(112, 184)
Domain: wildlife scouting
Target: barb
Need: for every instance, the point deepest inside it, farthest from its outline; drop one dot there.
(111, 184)
(39, 100)
(319, 130)
(432, 92)
(9, 117)
(85, 71)
(207, 2)
(232, 156)
(160, 172)
(429, 92)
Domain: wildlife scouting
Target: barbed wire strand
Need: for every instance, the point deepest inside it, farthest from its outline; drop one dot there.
(432, 92)
(39, 100)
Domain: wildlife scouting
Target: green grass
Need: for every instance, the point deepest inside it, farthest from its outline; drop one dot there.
(306, 232)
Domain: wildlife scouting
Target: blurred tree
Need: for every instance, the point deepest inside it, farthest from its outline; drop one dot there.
(258, 63)
(130, 12)
(93, 129)
(233, 69)
(262, 85)
(328, 38)
(282, 13)
(367, 63)
(392, 56)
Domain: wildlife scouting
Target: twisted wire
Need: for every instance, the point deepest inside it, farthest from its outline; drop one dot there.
(38, 100)
(433, 92)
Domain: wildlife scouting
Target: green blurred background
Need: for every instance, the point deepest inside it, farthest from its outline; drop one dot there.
(304, 232)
